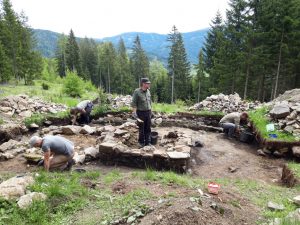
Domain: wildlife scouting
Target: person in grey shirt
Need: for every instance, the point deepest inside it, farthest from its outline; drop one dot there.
(58, 151)
(83, 109)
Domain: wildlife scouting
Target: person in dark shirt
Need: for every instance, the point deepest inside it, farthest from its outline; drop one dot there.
(141, 109)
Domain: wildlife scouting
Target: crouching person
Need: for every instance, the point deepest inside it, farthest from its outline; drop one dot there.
(231, 123)
(58, 151)
(83, 110)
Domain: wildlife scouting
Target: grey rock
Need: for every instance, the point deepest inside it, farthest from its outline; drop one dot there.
(26, 114)
(33, 126)
(296, 151)
(26, 200)
(296, 200)
(79, 159)
(178, 155)
(86, 129)
(274, 206)
(120, 132)
(261, 152)
(9, 145)
(5, 109)
(91, 151)
(107, 146)
(70, 129)
(280, 111)
(15, 187)
(289, 129)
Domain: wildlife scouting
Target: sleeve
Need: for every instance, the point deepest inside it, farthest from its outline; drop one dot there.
(134, 99)
(45, 147)
(237, 121)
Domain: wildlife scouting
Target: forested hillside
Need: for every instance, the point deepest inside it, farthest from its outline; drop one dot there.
(254, 51)
(155, 45)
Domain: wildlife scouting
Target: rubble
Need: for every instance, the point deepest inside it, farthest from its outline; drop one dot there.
(285, 113)
(121, 101)
(225, 103)
(23, 106)
(15, 187)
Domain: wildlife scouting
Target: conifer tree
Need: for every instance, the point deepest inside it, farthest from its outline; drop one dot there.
(179, 67)
(72, 54)
(139, 61)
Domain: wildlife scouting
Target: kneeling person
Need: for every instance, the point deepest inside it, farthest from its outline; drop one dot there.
(58, 151)
(83, 109)
(232, 121)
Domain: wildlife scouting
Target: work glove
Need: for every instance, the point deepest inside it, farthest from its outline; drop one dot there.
(134, 115)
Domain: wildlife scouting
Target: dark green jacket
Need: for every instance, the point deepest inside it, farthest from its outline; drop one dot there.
(141, 100)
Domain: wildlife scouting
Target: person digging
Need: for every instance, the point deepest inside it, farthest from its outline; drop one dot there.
(82, 110)
(232, 122)
(141, 111)
(58, 152)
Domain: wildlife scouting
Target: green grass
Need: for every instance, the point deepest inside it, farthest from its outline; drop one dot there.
(208, 113)
(38, 118)
(65, 195)
(1, 121)
(295, 167)
(112, 176)
(168, 108)
(260, 120)
(53, 94)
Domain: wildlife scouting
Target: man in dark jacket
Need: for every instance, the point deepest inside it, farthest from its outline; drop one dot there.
(141, 109)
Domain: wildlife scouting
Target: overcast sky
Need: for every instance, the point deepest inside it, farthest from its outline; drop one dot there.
(105, 18)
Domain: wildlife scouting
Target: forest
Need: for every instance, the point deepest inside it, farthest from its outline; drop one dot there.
(254, 51)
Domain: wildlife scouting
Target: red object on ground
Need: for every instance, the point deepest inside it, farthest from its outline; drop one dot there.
(213, 188)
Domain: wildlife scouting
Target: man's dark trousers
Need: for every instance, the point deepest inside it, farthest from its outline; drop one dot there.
(144, 128)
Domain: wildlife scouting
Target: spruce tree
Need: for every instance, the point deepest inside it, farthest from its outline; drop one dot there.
(60, 56)
(179, 67)
(72, 54)
(139, 61)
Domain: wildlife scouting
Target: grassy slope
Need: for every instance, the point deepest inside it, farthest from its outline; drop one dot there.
(69, 192)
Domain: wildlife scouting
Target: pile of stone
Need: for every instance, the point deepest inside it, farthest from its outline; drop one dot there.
(15, 188)
(121, 101)
(225, 103)
(23, 106)
(285, 112)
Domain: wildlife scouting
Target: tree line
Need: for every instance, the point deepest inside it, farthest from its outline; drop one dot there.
(18, 60)
(255, 51)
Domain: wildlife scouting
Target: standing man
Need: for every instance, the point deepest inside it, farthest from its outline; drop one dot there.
(231, 123)
(141, 109)
(58, 151)
(83, 109)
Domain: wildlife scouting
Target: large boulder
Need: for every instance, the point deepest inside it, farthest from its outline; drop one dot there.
(280, 111)
(15, 187)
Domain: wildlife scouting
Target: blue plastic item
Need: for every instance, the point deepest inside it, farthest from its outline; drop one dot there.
(273, 135)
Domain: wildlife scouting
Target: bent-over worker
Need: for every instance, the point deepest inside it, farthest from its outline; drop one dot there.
(58, 151)
(232, 121)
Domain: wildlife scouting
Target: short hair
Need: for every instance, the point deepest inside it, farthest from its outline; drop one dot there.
(33, 140)
(245, 114)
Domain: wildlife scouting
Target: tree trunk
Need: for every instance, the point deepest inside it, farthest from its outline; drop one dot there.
(278, 67)
(108, 74)
(246, 82)
(199, 86)
(172, 94)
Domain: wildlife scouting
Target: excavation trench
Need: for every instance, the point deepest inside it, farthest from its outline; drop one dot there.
(184, 144)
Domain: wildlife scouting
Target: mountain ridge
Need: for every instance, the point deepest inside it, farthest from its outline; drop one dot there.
(154, 44)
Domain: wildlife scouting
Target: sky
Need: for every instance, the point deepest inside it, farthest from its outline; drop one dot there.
(106, 18)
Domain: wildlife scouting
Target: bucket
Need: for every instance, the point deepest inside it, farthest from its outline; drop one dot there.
(154, 137)
(246, 137)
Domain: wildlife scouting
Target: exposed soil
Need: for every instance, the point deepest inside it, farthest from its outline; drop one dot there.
(211, 161)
